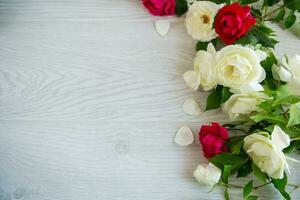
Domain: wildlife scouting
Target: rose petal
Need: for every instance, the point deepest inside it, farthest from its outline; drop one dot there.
(184, 136)
(261, 55)
(191, 107)
(162, 27)
(191, 79)
(279, 138)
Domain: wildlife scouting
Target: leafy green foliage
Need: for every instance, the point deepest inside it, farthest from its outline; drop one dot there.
(247, 190)
(280, 15)
(226, 194)
(181, 7)
(270, 2)
(235, 144)
(293, 146)
(280, 185)
(290, 20)
(259, 174)
(270, 117)
(292, 4)
(264, 35)
(221, 1)
(235, 161)
(246, 2)
(203, 45)
(294, 118)
(226, 173)
(244, 170)
(217, 97)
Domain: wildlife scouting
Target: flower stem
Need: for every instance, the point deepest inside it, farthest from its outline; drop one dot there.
(295, 139)
(237, 129)
(257, 187)
(231, 185)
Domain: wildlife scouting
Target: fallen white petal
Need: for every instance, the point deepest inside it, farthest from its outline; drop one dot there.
(184, 136)
(191, 107)
(162, 27)
(191, 79)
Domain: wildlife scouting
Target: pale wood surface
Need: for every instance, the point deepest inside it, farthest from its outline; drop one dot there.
(90, 100)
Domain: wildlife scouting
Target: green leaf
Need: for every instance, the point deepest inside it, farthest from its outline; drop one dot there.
(181, 7)
(245, 2)
(217, 97)
(259, 174)
(247, 189)
(280, 15)
(280, 185)
(221, 1)
(269, 117)
(249, 38)
(266, 105)
(234, 124)
(292, 4)
(201, 46)
(264, 35)
(269, 62)
(291, 99)
(235, 161)
(256, 12)
(226, 94)
(293, 146)
(270, 2)
(244, 170)
(226, 194)
(294, 117)
(290, 20)
(226, 173)
(252, 197)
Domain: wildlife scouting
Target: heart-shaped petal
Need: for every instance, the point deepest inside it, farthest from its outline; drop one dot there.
(191, 79)
(162, 27)
(191, 107)
(184, 136)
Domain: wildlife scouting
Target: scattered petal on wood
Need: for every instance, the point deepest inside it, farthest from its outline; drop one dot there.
(184, 136)
(191, 79)
(191, 107)
(162, 27)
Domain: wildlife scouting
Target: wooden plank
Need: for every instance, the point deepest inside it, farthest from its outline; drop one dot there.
(81, 71)
(92, 160)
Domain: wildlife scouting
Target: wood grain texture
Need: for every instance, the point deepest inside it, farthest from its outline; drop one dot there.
(90, 100)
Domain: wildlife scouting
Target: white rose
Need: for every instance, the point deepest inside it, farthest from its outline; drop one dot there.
(240, 106)
(239, 68)
(267, 153)
(289, 71)
(204, 73)
(199, 20)
(207, 174)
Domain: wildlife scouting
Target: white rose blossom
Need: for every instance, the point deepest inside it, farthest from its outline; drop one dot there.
(289, 71)
(234, 66)
(199, 20)
(204, 73)
(207, 174)
(240, 106)
(267, 153)
(239, 68)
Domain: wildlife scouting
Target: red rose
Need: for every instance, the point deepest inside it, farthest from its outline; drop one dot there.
(160, 7)
(213, 139)
(233, 21)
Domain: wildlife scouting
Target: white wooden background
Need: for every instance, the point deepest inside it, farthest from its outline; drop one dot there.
(90, 100)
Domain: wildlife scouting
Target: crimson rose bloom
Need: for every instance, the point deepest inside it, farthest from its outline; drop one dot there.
(213, 139)
(160, 7)
(233, 21)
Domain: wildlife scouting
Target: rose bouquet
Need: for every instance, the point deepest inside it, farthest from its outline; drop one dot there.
(259, 92)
